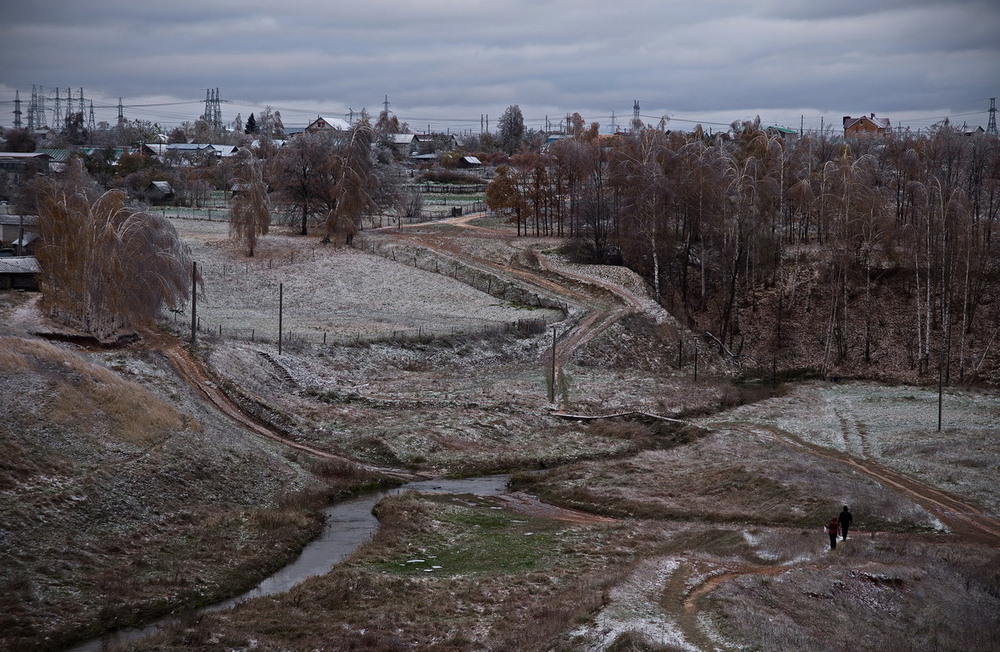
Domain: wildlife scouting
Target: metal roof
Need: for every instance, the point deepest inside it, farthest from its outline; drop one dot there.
(25, 155)
(16, 220)
(19, 265)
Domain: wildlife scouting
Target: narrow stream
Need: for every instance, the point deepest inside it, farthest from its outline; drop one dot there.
(348, 525)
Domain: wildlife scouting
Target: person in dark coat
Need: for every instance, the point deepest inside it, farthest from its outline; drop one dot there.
(833, 529)
(845, 521)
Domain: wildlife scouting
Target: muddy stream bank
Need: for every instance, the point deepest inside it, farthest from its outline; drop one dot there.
(347, 526)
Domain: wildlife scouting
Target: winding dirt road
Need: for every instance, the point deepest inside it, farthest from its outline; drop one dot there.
(603, 303)
(192, 373)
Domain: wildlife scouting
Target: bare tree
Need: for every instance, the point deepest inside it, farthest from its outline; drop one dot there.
(302, 174)
(106, 269)
(354, 185)
(250, 214)
(510, 130)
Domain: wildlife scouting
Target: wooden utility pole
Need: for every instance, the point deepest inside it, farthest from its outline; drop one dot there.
(194, 302)
(940, 385)
(552, 385)
(281, 300)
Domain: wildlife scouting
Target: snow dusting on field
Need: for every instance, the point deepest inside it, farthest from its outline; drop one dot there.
(898, 427)
(327, 289)
(633, 606)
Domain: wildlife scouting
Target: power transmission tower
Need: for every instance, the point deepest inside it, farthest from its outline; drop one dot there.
(385, 105)
(36, 110)
(991, 127)
(91, 125)
(636, 121)
(81, 102)
(33, 109)
(17, 109)
(217, 110)
(213, 109)
(121, 112)
(57, 113)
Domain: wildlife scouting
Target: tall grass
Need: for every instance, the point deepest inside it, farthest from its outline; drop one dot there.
(82, 393)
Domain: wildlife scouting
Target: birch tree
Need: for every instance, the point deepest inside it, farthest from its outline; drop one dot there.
(250, 214)
(106, 269)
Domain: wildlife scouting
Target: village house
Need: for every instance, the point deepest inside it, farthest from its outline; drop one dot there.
(193, 153)
(405, 145)
(865, 125)
(24, 164)
(322, 125)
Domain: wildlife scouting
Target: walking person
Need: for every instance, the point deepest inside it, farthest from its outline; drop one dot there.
(845, 519)
(833, 529)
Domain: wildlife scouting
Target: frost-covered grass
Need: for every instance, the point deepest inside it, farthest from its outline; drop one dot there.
(730, 476)
(329, 290)
(887, 593)
(897, 427)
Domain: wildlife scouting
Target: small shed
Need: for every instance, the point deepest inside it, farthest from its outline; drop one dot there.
(19, 273)
(781, 132)
(25, 245)
(159, 192)
(469, 162)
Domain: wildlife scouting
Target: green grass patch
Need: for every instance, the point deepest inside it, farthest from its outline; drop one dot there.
(463, 535)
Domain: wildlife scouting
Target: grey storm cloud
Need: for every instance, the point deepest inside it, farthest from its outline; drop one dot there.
(452, 61)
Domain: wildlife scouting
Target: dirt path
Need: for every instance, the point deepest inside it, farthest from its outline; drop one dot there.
(964, 520)
(191, 371)
(603, 302)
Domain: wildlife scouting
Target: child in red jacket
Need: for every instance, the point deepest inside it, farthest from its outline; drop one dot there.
(833, 529)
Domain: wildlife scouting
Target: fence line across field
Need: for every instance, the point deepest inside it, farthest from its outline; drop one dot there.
(328, 338)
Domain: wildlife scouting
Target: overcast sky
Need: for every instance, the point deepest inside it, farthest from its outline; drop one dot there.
(447, 63)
